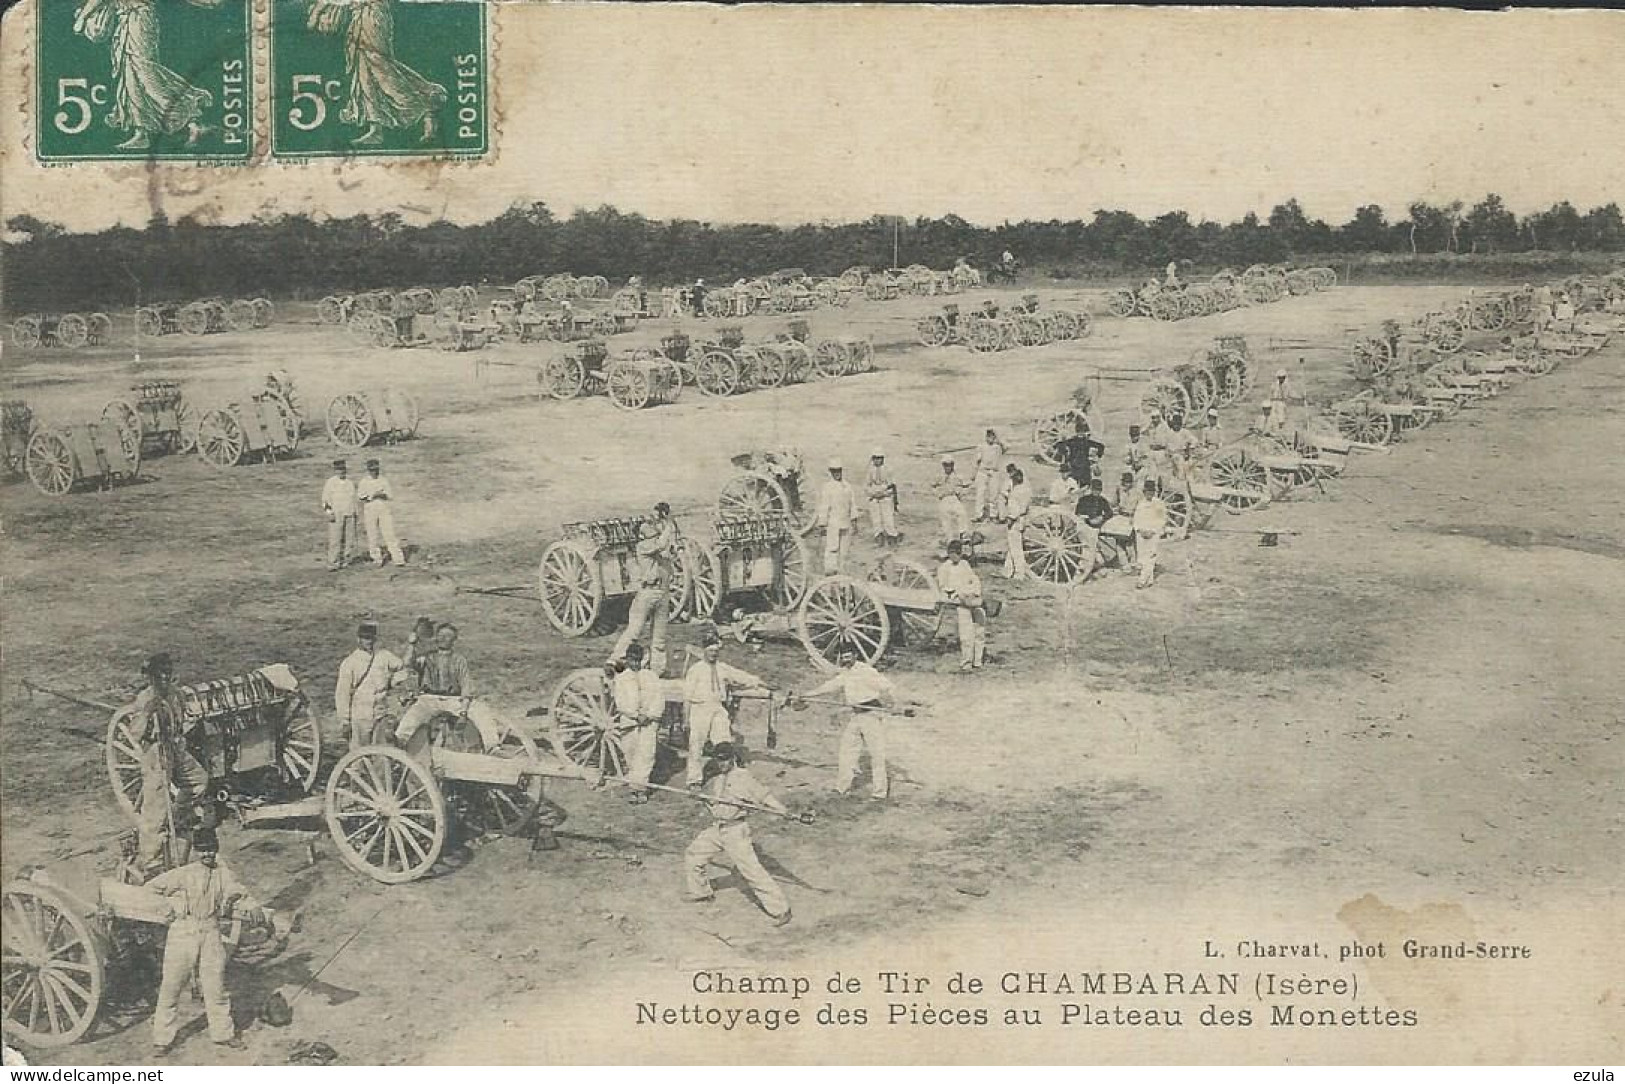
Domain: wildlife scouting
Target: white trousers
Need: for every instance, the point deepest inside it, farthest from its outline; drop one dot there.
(492, 729)
(972, 637)
(952, 520)
(836, 543)
(193, 947)
(731, 839)
(1147, 545)
(642, 744)
(986, 494)
(883, 515)
(706, 723)
(650, 606)
(865, 730)
(380, 522)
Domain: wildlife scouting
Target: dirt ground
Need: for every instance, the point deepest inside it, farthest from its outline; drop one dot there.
(1410, 697)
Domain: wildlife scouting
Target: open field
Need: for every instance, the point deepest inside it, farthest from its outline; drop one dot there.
(1412, 697)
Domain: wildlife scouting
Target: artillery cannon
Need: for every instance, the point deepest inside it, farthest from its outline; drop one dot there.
(59, 458)
(756, 553)
(71, 330)
(252, 732)
(67, 930)
(158, 414)
(843, 613)
(356, 419)
(767, 482)
(265, 426)
(596, 562)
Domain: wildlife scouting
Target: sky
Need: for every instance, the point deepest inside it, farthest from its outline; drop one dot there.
(794, 114)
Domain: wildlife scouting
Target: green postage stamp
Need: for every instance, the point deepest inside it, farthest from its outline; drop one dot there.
(143, 79)
(378, 77)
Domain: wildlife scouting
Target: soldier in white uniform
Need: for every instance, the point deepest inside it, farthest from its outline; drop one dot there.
(1018, 503)
(339, 502)
(728, 781)
(960, 585)
(989, 462)
(868, 695)
(707, 689)
(377, 513)
(366, 676)
(657, 555)
(881, 490)
(640, 702)
(838, 515)
(201, 894)
(1150, 521)
(952, 519)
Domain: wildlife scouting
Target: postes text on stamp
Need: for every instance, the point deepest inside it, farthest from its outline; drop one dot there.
(143, 79)
(378, 77)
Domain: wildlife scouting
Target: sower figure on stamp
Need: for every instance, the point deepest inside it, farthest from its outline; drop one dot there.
(202, 894)
(174, 784)
(148, 98)
(366, 676)
(376, 498)
(733, 791)
(339, 502)
(657, 556)
(383, 92)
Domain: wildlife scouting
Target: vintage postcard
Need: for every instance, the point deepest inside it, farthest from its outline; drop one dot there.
(639, 533)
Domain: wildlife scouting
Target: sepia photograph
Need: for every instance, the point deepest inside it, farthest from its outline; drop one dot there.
(831, 534)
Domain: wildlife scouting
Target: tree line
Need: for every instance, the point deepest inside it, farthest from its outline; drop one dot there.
(48, 268)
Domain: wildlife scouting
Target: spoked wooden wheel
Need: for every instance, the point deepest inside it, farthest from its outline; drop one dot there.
(1121, 303)
(51, 973)
(932, 330)
(572, 588)
(753, 493)
(495, 807)
(50, 463)
(790, 579)
(772, 367)
(330, 310)
(101, 328)
(1201, 389)
(186, 427)
(841, 614)
(628, 386)
(1359, 422)
(1049, 432)
(123, 416)
(350, 421)
(123, 752)
(562, 377)
(300, 752)
(240, 315)
(829, 360)
(220, 438)
(1246, 481)
(716, 373)
(585, 717)
(386, 814)
(919, 626)
(1030, 330)
(704, 572)
(1167, 399)
(1054, 547)
(193, 320)
(25, 333)
(73, 331)
(985, 336)
(1446, 336)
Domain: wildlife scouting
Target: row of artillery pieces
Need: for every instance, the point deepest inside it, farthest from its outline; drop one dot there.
(265, 425)
(1258, 285)
(723, 366)
(73, 330)
(988, 328)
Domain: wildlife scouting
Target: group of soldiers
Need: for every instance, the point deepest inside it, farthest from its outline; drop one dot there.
(348, 505)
